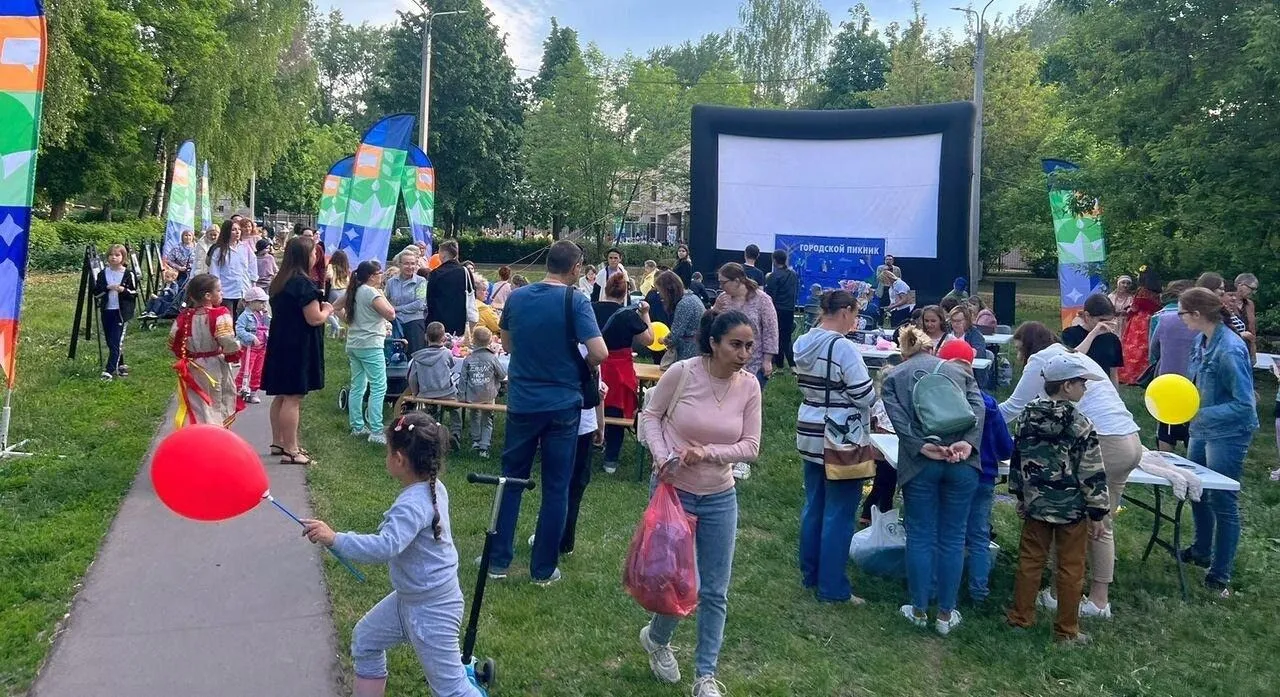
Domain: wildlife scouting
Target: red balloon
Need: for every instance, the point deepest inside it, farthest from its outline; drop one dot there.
(206, 472)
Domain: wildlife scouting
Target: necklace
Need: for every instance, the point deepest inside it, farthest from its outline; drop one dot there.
(728, 386)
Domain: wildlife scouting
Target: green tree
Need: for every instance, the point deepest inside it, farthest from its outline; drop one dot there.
(778, 44)
(690, 61)
(476, 115)
(1181, 103)
(560, 47)
(347, 59)
(295, 181)
(926, 66)
(856, 66)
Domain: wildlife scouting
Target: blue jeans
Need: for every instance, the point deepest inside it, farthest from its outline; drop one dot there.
(937, 503)
(978, 541)
(368, 370)
(714, 538)
(1217, 514)
(556, 433)
(826, 529)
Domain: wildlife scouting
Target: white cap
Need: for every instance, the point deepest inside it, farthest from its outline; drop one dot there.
(1067, 366)
(255, 293)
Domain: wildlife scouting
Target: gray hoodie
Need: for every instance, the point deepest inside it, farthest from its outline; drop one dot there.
(482, 372)
(431, 373)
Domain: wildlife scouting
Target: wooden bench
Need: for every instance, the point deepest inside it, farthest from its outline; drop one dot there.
(407, 398)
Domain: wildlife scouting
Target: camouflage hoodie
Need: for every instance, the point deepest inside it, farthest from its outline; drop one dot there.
(1057, 469)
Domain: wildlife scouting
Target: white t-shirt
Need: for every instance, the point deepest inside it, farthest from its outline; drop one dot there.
(114, 278)
(1101, 402)
(898, 290)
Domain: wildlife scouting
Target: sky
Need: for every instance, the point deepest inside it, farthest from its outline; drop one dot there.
(639, 25)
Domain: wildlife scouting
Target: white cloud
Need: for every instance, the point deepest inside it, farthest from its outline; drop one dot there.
(525, 24)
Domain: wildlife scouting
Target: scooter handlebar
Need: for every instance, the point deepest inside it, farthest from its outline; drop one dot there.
(477, 478)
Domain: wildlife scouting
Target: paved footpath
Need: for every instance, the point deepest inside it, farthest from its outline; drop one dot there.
(175, 607)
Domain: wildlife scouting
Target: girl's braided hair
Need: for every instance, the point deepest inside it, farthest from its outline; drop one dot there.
(423, 442)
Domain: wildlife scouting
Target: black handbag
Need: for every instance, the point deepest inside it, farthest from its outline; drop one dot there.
(588, 377)
(1147, 376)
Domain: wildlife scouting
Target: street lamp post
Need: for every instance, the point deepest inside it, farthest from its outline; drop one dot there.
(424, 96)
(975, 185)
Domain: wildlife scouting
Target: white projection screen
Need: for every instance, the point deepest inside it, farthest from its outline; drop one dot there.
(869, 188)
(899, 173)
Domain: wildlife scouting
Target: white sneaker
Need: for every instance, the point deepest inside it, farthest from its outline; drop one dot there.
(741, 470)
(708, 686)
(106, 377)
(662, 660)
(531, 538)
(378, 438)
(1275, 475)
(544, 582)
(1088, 609)
(944, 627)
(909, 611)
(359, 433)
(610, 467)
(1046, 600)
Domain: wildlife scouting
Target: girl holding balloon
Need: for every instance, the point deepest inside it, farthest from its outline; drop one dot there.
(204, 340)
(1220, 431)
(424, 608)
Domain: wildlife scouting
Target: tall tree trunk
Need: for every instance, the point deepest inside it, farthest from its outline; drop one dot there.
(106, 210)
(58, 209)
(557, 222)
(162, 183)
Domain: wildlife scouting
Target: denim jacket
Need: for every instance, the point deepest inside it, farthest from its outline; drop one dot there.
(1223, 374)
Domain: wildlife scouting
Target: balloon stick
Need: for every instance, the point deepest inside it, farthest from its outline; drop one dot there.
(341, 559)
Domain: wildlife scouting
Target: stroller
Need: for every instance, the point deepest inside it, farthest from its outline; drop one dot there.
(396, 350)
(165, 306)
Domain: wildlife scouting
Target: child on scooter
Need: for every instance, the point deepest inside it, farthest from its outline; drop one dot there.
(415, 542)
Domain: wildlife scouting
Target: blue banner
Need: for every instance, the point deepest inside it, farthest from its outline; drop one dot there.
(830, 261)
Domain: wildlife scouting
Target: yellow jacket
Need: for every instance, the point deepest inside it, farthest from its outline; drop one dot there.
(488, 317)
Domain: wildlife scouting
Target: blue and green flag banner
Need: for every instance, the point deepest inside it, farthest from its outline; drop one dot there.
(180, 215)
(333, 202)
(831, 262)
(376, 178)
(1082, 248)
(419, 191)
(206, 205)
(22, 70)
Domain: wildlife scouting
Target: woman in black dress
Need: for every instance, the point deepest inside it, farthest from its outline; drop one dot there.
(295, 348)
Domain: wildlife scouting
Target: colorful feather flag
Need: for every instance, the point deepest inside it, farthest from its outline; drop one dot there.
(376, 178)
(1082, 249)
(419, 191)
(333, 202)
(206, 205)
(22, 66)
(181, 214)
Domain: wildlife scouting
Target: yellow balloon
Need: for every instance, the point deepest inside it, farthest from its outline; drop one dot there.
(660, 332)
(1172, 399)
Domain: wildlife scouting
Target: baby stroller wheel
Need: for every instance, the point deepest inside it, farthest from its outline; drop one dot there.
(344, 396)
(487, 673)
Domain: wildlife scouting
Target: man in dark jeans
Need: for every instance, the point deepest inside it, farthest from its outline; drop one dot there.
(783, 286)
(448, 289)
(544, 402)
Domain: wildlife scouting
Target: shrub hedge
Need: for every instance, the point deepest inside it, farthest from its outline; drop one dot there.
(60, 246)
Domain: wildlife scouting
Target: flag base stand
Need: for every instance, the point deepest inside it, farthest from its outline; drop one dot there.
(6, 450)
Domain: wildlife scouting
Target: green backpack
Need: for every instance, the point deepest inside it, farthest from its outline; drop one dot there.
(941, 405)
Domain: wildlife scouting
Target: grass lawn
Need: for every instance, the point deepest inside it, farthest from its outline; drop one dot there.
(578, 637)
(89, 438)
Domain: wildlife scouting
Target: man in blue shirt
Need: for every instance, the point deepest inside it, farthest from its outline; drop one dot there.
(544, 400)
(750, 255)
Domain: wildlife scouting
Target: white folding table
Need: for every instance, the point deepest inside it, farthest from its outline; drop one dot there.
(887, 444)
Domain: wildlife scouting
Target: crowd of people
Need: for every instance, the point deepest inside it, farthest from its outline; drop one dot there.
(562, 351)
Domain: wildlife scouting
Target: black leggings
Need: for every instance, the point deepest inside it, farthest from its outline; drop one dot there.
(882, 490)
(577, 487)
(786, 327)
(113, 332)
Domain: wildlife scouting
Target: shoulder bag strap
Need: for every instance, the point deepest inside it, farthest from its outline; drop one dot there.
(826, 384)
(685, 367)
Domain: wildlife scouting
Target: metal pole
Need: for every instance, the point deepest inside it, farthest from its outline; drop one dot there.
(253, 193)
(975, 187)
(7, 450)
(424, 97)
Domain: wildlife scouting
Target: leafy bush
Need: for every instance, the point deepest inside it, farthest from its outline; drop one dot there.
(60, 246)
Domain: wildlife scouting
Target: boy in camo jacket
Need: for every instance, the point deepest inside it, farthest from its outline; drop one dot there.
(1058, 479)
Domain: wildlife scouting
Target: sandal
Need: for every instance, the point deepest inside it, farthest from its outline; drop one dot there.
(298, 458)
(277, 449)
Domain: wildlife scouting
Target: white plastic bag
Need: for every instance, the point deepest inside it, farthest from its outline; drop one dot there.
(881, 548)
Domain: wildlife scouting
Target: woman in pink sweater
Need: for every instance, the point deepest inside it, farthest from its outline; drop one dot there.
(714, 422)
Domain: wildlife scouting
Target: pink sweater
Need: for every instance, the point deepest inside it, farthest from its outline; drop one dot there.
(728, 431)
(764, 322)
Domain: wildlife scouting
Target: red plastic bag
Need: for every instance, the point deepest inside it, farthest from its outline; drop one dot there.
(661, 571)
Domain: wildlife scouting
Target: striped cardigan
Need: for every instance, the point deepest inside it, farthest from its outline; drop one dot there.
(834, 384)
